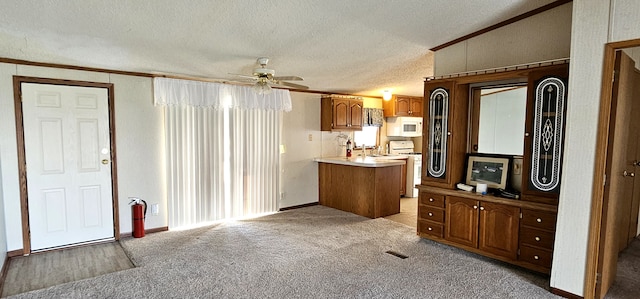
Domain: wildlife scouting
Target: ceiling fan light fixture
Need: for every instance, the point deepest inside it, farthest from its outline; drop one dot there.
(262, 87)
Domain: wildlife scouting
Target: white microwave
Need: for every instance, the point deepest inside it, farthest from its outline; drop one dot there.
(404, 126)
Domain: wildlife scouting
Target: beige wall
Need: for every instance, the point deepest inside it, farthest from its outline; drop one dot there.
(3, 233)
(589, 34)
(299, 182)
(545, 36)
(595, 23)
(139, 140)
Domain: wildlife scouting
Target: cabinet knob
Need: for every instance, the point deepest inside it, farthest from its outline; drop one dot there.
(430, 228)
(430, 199)
(526, 134)
(481, 208)
(448, 133)
(430, 214)
(537, 239)
(539, 220)
(535, 257)
(475, 207)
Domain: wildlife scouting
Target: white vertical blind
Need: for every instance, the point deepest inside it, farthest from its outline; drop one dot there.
(255, 146)
(195, 162)
(222, 152)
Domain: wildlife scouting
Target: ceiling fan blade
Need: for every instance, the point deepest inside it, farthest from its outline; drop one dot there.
(244, 76)
(288, 78)
(297, 86)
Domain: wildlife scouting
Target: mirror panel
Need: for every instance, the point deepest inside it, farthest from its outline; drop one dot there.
(502, 119)
(498, 120)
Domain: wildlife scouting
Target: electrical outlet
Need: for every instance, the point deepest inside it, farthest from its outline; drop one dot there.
(155, 209)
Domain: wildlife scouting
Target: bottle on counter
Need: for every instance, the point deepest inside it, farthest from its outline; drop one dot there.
(348, 147)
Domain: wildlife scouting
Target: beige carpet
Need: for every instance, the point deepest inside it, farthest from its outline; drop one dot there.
(313, 252)
(627, 283)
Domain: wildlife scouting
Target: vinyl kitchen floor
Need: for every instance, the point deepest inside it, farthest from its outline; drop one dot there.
(408, 212)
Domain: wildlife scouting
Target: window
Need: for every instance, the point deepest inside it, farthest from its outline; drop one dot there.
(368, 136)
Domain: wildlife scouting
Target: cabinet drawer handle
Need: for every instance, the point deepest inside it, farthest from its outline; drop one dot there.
(430, 214)
(430, 228)
(430, 199)
(535, 257)
(539, 220)
(537, 239)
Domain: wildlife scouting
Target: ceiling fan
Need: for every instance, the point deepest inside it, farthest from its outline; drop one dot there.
(265, 77)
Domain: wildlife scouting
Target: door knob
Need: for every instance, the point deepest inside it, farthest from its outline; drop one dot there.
(105, 161)
(628, 174)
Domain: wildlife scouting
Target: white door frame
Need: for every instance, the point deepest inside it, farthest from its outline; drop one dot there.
(22, 169)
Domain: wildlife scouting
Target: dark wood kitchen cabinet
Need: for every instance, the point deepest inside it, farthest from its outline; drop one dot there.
(403, 179)
(403, 106)
(490, 227)
(514, 231)
(341, 113)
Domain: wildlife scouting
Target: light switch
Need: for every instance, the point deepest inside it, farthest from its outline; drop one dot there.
(155, 209)
(310, 137)
(517, 167)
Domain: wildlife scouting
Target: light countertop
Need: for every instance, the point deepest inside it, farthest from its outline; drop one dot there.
(380, 161)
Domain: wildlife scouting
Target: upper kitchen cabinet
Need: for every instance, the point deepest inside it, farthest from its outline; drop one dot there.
(403, 106)
(341, 113)
(445, 133)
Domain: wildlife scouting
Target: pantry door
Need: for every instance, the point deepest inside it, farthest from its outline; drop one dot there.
(68, 164)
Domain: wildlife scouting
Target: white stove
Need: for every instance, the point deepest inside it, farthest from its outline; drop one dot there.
(414, 164)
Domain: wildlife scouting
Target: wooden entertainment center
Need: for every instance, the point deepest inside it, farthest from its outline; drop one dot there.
(518, 231)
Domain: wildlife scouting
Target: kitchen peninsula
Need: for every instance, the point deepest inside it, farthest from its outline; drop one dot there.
(366, 186)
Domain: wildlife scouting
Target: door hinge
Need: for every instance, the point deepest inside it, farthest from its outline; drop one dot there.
(520, 215)
(598, 278)
(613, 79)
(604, 180)
(518, 251)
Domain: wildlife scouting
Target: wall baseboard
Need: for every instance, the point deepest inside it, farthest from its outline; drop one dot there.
(3, 274)
(17, 252)
(300, 206)
(147, 231)
(565, 294)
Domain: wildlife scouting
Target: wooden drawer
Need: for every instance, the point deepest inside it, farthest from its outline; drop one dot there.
(431, 199)
(539, 219)
(536, 237)
(431, 213)
(431, 228)
(540, 257)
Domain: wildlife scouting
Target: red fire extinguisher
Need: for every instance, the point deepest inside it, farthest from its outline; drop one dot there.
(138, 216)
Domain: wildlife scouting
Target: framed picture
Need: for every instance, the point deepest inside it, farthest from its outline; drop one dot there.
(492, 171)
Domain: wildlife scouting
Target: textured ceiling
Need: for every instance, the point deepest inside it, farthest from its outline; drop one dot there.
(359, 47)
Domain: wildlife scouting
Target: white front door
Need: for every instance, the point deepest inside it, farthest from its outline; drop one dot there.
(67, 149)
